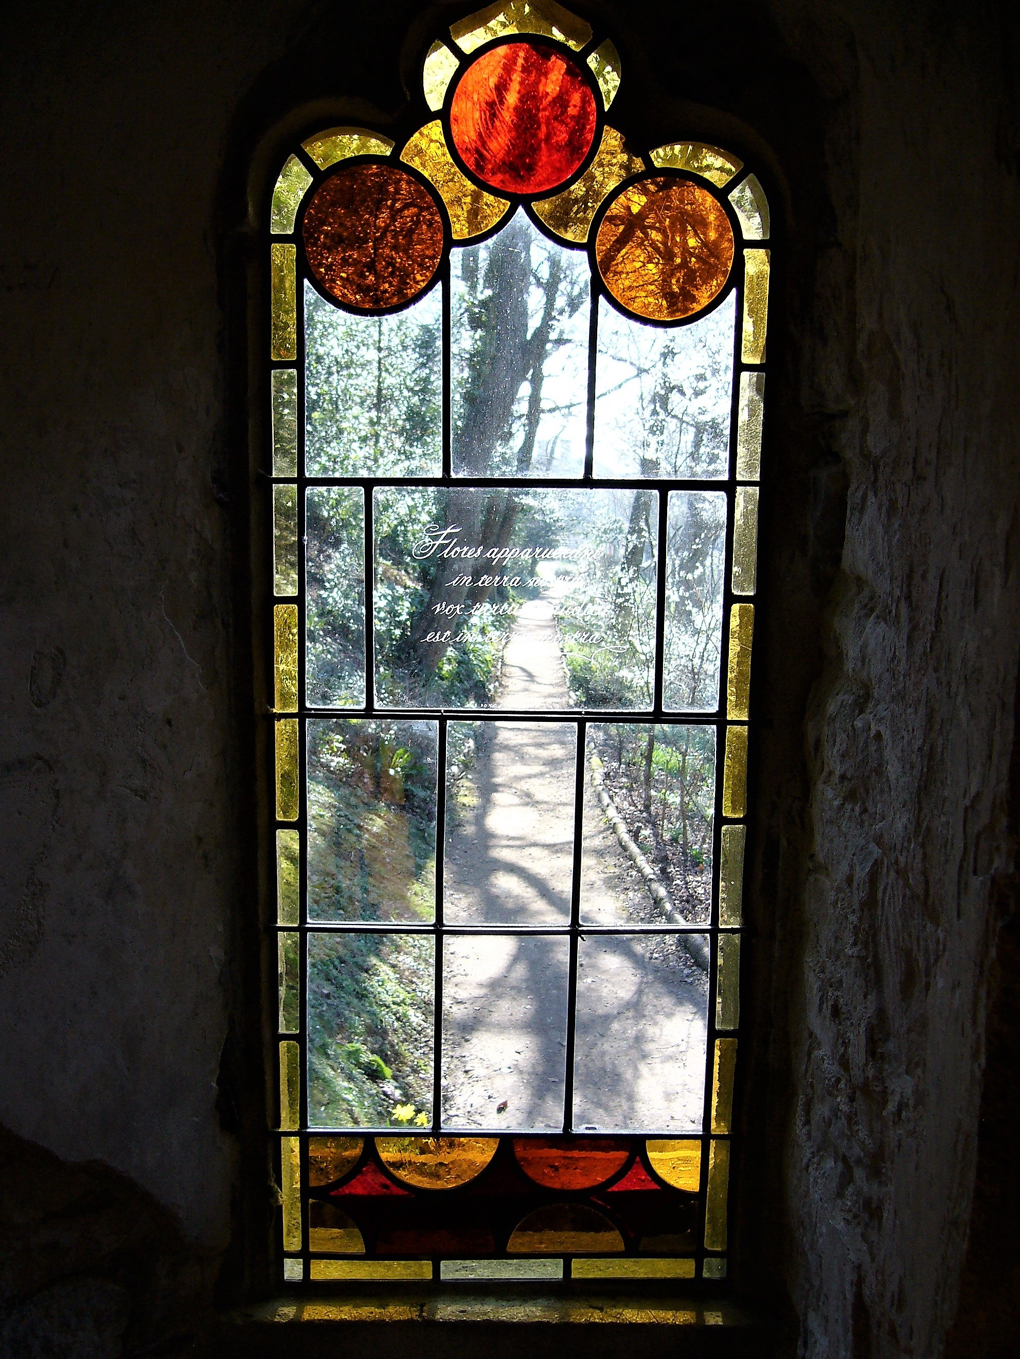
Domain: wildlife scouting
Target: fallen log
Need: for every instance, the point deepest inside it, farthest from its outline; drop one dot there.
(694, 945)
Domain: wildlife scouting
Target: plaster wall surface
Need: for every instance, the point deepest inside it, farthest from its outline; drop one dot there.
(887, 652)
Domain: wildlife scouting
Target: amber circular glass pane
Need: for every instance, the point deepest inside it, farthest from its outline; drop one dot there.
(523, 118)
(373, 235)
(564, 1229)
(664, 248)
(581, 1163)
(677, 1161)
(436, 1162)
(330, 1158)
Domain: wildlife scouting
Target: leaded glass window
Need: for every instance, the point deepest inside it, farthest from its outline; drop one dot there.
(515, 386)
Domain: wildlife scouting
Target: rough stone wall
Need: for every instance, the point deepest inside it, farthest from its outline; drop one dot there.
(888, 645)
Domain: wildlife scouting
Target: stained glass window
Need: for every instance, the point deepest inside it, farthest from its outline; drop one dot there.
(515, 388)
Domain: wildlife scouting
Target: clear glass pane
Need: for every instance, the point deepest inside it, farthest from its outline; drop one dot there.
(373, 390)
(519, 355)
(290, 189)
(289, 982)
(738, 679)
(335, 596)
(437, 72)
(284, 385)
(285, 626)
(745, 541)
(285, 544)
(752, 208)
(471, 1270)
(639, 1056)
(288, 877)
(749, 421)
(727, 998)
(371, 819)
(713, 1268)
(605, 65)
(646, 857)
(370, 1025)
(504, 1031)
(695, 577)
(528, 600)
(509, 822)
(756, 305)
(283, 301)
(731, 874)
(663, 396)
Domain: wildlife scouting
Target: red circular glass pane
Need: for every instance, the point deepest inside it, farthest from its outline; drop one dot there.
(665, 248)
(574, 1163)
(523, 118)
(373, 235)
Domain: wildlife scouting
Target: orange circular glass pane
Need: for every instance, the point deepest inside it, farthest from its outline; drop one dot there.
(330, 1158)
(523, 118)
(373, 235)
(581, 1163)
(665, 248)
(436, 1162)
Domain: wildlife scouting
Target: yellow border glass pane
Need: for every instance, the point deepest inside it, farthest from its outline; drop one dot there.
(290, 1086)
(727, 995)
(521, 16)
(735, 773)
(632, 1269)
(283, 300)
(722, 1084)
(731, 875)
(472, 211)
(340, 143)
(745, 541)
(439, 69)
(288, 877)
(718, 167)
(285, 545)
(756, 305)
(738, 675)
(570, 213)
(291, 187)
(605, 66)
(369, 1271)
(718, 1194)
(285, 657)
(290, 1190)
(288, 797)
(284, 407)
(752, 209)
(749, 423)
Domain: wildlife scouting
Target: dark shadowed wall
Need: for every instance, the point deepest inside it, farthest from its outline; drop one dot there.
(884, 851)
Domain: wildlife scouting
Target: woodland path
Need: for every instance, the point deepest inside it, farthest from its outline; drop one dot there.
(640, 1007)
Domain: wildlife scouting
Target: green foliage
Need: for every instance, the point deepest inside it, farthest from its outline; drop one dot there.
(369, 1027)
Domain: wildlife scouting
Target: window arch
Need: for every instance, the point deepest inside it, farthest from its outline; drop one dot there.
(516, 380)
